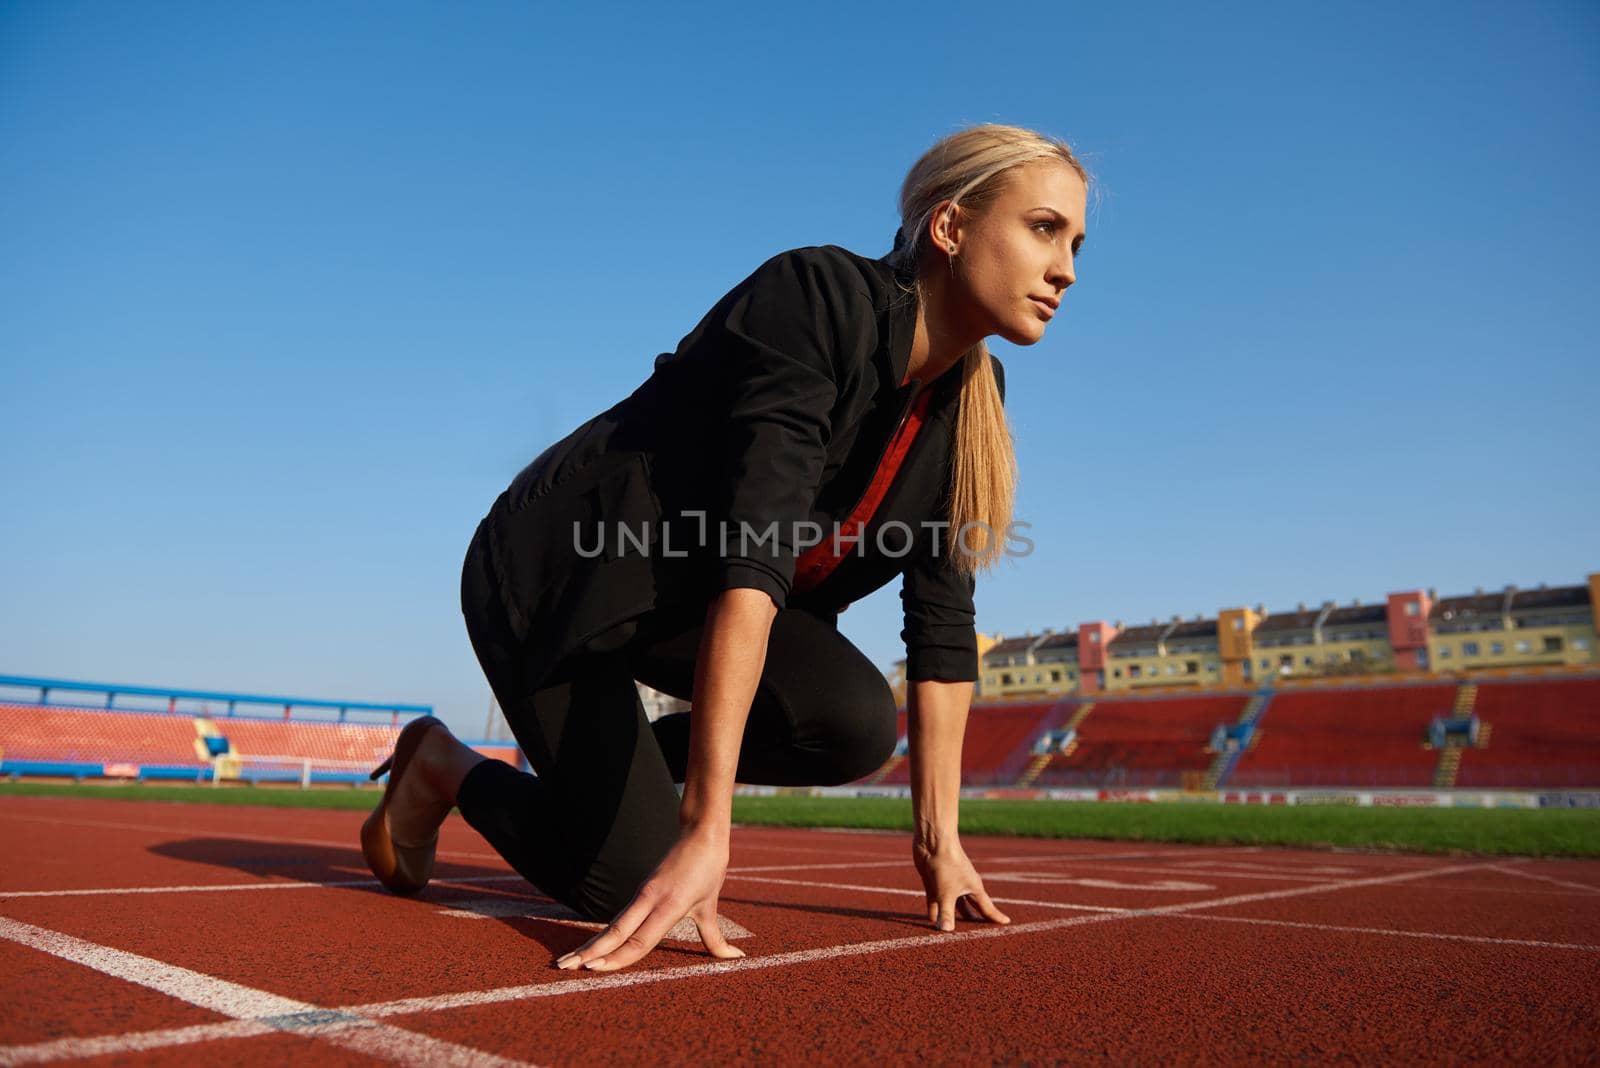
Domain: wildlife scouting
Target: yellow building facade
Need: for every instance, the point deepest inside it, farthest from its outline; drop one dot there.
(1411, 633)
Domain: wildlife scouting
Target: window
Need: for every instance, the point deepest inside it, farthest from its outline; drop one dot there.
(1172, 669)
(1133, 671)
(1266, 665)
(1038, 676)
(1552, 644)
(1497, 648)
(1072, 676)
(1309, 661)
(1238, 623)
(1444, 652)
(1117, 674)
(1412, 608)
(1469, 648)
(1581, 644)
(1212, 667)
(1005, 680)
(1191, 667)
(1523, 646)
(1055, 676)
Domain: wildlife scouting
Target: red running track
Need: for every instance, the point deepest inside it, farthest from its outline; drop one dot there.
(148, 933)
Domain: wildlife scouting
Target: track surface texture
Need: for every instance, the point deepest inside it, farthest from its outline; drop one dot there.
(146, 933)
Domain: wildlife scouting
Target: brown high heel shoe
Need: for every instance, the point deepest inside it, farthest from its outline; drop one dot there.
(401, 869)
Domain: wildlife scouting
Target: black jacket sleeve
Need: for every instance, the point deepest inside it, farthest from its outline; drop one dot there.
(940, 618)
(783, 342)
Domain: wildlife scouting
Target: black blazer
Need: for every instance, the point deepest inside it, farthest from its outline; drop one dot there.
(774, 410)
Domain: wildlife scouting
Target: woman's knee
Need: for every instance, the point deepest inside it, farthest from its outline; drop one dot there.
(854, 737)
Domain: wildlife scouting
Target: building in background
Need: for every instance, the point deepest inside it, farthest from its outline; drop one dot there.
(1413, 632)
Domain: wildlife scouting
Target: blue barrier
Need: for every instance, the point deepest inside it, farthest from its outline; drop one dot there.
(58, 769)
(112, 691)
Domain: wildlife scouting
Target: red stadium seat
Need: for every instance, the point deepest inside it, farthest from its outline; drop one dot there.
(1350, 737)
(1540, 734)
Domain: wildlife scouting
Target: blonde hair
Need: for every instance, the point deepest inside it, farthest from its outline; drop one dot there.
(969, 168)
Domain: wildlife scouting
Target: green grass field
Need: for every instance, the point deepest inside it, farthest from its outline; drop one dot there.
(1489, 832)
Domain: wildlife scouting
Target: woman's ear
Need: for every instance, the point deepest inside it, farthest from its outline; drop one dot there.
(944, 227)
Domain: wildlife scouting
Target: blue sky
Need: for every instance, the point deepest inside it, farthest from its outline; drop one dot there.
(290, 292)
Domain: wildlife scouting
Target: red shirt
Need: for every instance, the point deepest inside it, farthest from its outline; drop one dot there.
(820, 560)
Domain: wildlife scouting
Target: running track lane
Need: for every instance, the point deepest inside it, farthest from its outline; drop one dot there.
(1325, 955)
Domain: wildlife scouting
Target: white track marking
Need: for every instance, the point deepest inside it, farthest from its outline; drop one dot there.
(177, 1036)
(231, 887)
(1507, 869)
(1167, 870)
(1321, 869)
(917, 893)
(1063, 879)
(62, 1049)
(406, 1006)
(1403, 934)
(258, 1007)
(1050, 858)
(200, 832)
(613, 980)
(782, 848)
(486, 908)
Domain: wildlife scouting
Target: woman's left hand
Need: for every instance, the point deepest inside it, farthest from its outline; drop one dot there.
(952, 885)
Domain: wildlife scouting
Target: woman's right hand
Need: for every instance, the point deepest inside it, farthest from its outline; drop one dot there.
(685, 883)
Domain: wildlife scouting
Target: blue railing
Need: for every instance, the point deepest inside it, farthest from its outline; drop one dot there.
(233, 701)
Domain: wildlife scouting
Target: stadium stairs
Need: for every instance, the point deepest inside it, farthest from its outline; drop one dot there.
(1354, 736)
(1227, 757)
(1141, 741)
(1444, 775)
(1041, 761)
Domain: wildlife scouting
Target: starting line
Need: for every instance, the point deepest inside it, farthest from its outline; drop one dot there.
(357, 1027)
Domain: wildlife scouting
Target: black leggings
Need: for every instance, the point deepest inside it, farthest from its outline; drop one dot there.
(602, 811)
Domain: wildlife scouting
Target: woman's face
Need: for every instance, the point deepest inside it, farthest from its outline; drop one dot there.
(1015, 260)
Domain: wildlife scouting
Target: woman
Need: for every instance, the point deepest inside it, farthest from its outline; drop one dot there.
(834, 410)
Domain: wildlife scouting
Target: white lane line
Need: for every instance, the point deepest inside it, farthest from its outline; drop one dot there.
(406, 1006)
(915, 893)
(613, 980)
(1403, 934)
(512, 908)
(64, 1049)
(1167, 870)
(1054, 878)
(1509, 870)
(351, 844)
(222, 888)
(1052, 858)
(741, 844)
(1321, 869)
(257, 1007)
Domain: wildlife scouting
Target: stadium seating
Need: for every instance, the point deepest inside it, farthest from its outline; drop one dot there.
(999, 739)
(1148, 742)
(38, 734)
(1544, 733)
(39, 739)
(1348, 737)
(356, 744)
(996, 747)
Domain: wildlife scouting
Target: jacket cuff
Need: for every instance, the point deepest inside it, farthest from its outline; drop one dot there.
(741, 573)
(942, 663)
